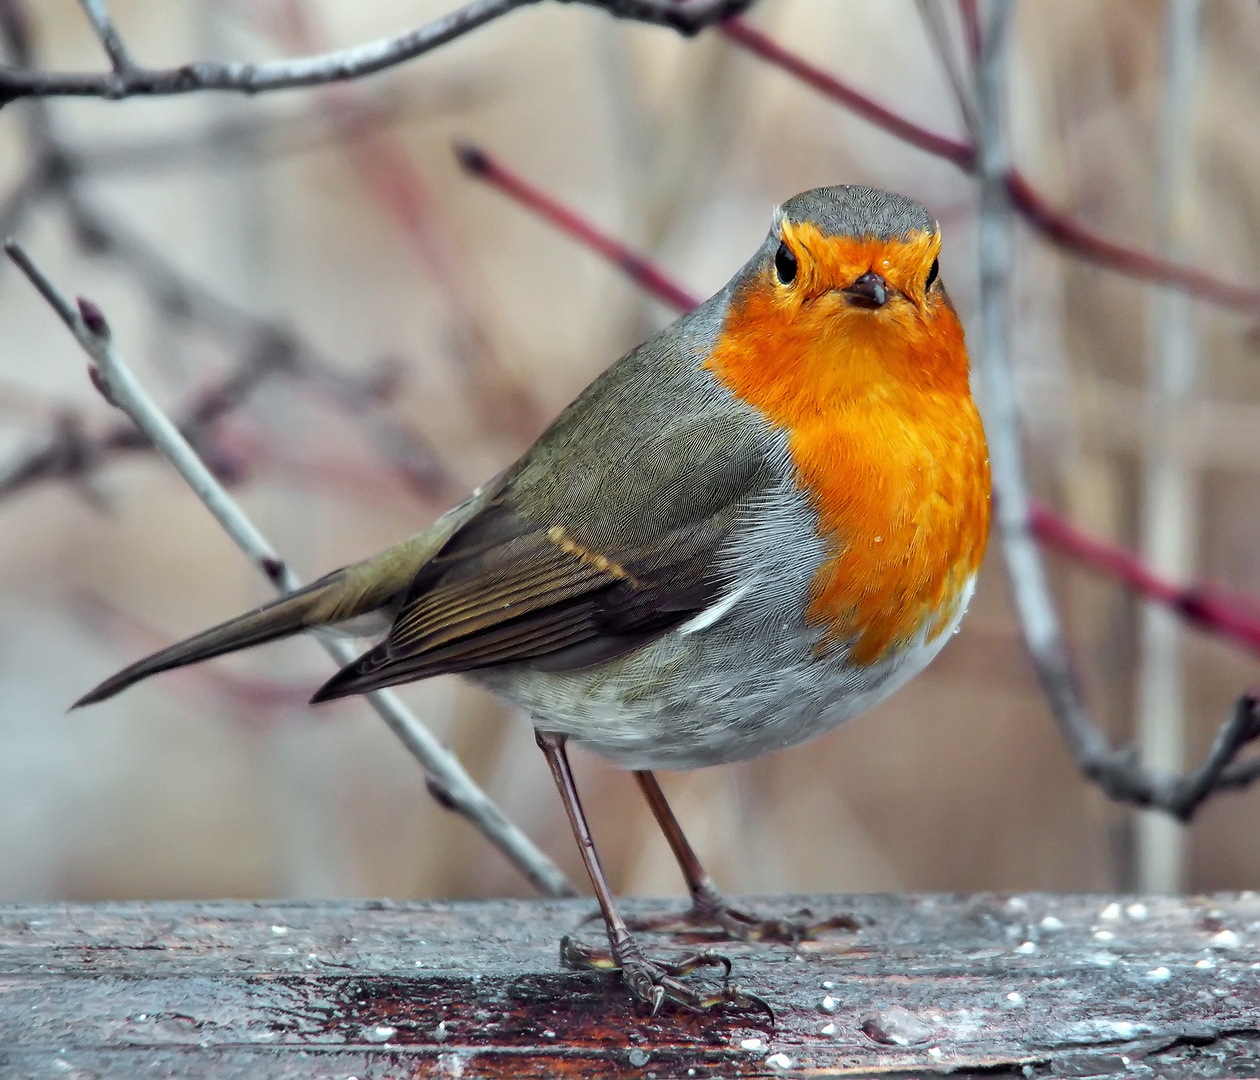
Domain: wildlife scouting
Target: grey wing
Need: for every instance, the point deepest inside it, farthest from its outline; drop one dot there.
(583, 555)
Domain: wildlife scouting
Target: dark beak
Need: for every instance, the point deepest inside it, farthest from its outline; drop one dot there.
(869, 291)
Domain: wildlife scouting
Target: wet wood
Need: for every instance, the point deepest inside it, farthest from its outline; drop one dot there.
(1021, 986)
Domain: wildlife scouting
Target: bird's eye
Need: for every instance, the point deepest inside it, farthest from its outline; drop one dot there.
(785, 264)
(936, 269)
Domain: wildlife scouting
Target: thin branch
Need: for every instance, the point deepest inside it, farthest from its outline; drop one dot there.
(1120, 774)
(932, 15)
(1210, 609)
(69, 453)
(1180, 796)
(637, 267)
(15, 29)
(341, 64)
(18, 49)
(247, 78)
(21, 199)
(397, 185)
(268, 345)
(97, 12)
(1038, 618)
(746, 35)
(969, 16)
(1055, 225)
(1073, 235)
(446, 776)
(1058, 227)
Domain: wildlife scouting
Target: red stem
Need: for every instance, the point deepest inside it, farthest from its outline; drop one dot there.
(1055, 225)
(1231, 616)
(961, 153)
(638, 268)
(1071, 234)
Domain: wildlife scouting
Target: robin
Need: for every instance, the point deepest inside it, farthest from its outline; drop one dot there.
(763, 520)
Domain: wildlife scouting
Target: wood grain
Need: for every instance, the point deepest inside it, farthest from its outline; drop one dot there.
(1022, 986)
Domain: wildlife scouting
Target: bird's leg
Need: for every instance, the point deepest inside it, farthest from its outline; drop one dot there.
(650, 981)
(708, 907)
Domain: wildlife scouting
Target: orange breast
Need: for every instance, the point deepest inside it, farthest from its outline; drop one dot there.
(888, 444)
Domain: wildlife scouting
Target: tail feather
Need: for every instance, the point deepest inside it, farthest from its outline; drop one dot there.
(376, 585)
(280, 618)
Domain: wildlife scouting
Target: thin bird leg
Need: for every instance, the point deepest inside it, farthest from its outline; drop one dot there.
(650, 981)
(708, 907)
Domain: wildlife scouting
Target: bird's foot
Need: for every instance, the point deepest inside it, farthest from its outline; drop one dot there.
(711, 912)
(655, 982)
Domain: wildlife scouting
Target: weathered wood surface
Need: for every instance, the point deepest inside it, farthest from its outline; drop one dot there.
(1025, 986)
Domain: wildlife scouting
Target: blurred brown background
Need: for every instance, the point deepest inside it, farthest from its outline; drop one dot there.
(343, 216)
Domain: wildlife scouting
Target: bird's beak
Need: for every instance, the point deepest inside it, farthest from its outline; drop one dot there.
(869, 291)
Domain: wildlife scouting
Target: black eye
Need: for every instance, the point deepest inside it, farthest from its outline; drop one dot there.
(785, 264)
(936, 269)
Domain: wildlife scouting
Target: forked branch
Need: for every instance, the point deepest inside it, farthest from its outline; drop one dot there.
(447, 778)
(126, 79)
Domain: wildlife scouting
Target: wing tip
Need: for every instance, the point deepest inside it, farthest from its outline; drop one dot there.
(351, 679)
(103, 691)
(90, 698)
(330, 691)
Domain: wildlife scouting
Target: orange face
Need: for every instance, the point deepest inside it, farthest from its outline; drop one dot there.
(842, 342)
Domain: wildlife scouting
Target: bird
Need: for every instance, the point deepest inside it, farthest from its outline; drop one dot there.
(752, 527)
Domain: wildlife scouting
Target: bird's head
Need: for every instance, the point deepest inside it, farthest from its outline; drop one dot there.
(845, 294)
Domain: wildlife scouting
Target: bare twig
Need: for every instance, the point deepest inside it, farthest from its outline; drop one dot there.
(1180, 796)
(969, 16)
(1056, 226)
(1119, 774)
(747, 36)
(18, 48)
(68, 452)
(267, 345)
(115, 381)
(1038, 618)
(20, 200)
(352, 63)
(16, 32)
(932, 15)
(1211, 609)
(637, 267)
(97, 12)
(1071, 234)
(226, 142)
(399, 188)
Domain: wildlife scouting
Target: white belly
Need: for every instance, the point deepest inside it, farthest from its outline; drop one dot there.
(712, 692)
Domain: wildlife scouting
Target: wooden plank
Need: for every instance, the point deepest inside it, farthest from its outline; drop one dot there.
(1020, 986)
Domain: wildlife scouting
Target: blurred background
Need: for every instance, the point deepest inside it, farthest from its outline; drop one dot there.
(364, 333)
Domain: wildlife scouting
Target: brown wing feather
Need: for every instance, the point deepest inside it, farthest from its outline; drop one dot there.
(485, 587)
(596, 542)
(565, 606)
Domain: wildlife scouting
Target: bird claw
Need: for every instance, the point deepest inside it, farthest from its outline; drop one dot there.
(655, 982)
